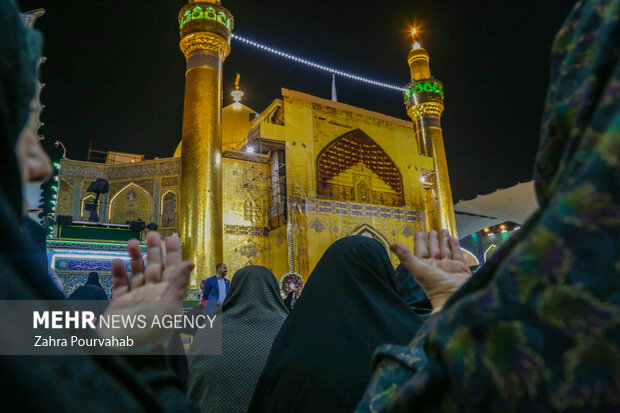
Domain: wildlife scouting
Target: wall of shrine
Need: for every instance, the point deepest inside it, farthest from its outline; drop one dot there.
(245, 204)
(319, 223)
(337, 151)
(349, 171)
(146, 190)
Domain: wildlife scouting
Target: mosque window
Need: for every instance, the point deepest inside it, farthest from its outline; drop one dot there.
(169, 210)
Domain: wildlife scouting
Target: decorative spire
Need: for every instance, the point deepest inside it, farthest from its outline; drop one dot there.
(418, 58)
(415, 36)
(237, 94)
(334, 94)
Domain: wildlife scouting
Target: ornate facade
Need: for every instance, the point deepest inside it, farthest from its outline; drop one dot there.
(145, 190)
(313, 171)
(277, 188)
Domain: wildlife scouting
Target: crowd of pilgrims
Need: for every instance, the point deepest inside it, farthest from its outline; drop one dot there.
(536, 328)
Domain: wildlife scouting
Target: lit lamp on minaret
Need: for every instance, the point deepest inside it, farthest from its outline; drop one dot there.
(205, 41)
(237, 94)
(424, 100)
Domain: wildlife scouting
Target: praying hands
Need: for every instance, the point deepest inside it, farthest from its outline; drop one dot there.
(437, 264)
(156, 288)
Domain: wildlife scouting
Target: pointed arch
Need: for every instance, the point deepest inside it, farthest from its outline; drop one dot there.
(83, 204)
(352, 157)
(366, 230)
(169, 208)
(136, 204)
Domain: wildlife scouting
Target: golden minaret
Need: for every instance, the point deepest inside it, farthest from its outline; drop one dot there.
(424, 100)
(205, 41)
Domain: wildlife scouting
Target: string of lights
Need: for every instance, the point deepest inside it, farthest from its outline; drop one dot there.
(315, 65)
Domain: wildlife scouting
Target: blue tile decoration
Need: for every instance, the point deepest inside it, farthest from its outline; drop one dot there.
(353, 209)
(106, 283)
(73, 281)
(73, 245)
(86, 265)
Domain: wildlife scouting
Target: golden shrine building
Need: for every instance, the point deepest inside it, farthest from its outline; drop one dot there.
(272, 188)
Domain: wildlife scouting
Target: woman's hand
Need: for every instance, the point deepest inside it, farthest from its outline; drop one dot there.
(156, 289)
(438, 265)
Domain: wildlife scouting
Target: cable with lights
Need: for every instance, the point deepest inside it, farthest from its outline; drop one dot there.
(315, 65)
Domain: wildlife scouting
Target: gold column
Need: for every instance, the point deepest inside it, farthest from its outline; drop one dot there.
(205, 42)
(424, 100)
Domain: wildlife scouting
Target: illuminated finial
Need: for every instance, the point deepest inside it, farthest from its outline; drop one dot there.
(237, 94)
(415, 35)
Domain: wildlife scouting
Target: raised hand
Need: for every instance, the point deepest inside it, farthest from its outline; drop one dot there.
(437, 264)
(154, 290)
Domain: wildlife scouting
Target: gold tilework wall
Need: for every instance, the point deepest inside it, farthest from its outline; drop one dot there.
(392, 210)
(245, 202)
(65, 197)
(131, 204)
(318, 223)
(278, 253)
(310, 125)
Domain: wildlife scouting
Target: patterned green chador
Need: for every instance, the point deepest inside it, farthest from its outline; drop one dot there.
(538, 327)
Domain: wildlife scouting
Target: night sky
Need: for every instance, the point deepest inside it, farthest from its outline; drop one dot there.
(115, 75)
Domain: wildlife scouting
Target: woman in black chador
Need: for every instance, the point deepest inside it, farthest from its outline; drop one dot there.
(113, 383)
(320, 360)
(92, 290)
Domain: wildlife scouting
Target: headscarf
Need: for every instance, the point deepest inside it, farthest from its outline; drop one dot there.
(412, 293)
(252, 315)
(60, 383)
(537, 328)
(92, 291)
(19, 55)
(93, 279)
(320, 361)
(20, 50)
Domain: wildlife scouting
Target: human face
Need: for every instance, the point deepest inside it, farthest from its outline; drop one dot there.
(223, 270)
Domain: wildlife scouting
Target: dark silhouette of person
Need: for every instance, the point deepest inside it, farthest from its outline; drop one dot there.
(92, 291)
